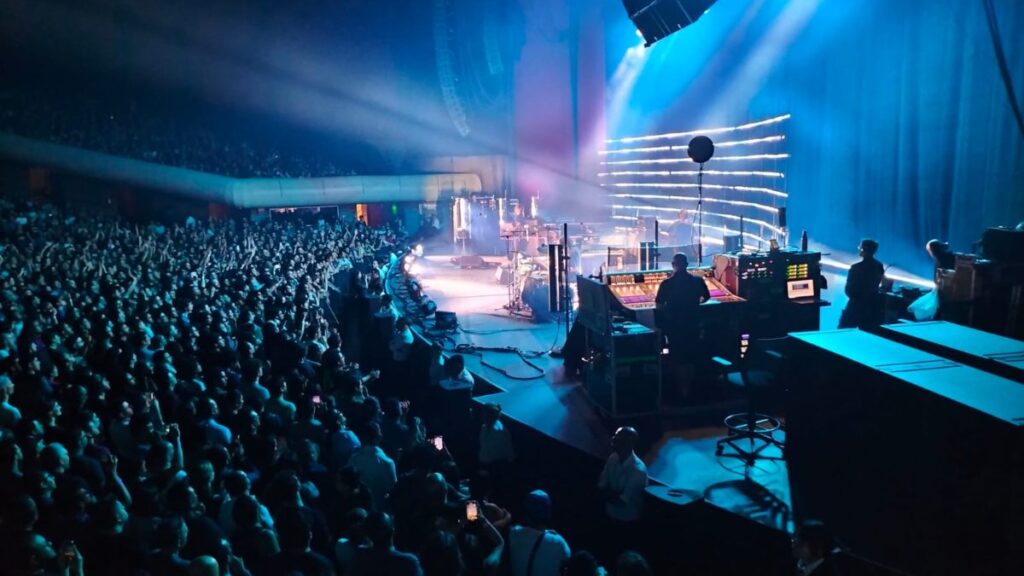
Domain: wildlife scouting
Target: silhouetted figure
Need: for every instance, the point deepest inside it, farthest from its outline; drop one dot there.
(942, 257)
(678, 300)
(680, 231)
(813, 547)
(865, 308)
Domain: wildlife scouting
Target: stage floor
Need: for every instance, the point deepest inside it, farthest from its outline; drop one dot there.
(533, 390)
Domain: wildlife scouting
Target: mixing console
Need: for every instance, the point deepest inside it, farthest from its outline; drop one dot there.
(636, 290)
(718, 291)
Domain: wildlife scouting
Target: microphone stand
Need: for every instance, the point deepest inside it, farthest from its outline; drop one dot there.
(657, 243)
(700, 215)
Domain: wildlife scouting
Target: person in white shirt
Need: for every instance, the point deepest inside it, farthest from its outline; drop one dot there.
(624, 478)
(453, 400)
(387, 310)
(374, 467)
(533, 550)
(456, 377)
(495, 441)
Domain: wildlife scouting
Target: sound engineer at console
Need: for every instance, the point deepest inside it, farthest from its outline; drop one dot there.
(676, 313)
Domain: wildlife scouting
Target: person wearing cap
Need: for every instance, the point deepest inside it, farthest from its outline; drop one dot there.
(533, 549)
(624, 478)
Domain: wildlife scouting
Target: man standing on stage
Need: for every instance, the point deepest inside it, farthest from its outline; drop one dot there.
(678, 301)
(866, 308)
(680, 232)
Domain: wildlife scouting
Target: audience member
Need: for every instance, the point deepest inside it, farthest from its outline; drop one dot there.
(381, 558)
(296, 555)
(813, 547)
(534, 550)
(582, 563)
(375, 468)
(631, 563)
(624, 478)
(495, 450)
(456, 377)
(160, 383)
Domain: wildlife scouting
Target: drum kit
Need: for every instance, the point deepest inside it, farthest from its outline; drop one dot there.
(526, 273)
(517, 271)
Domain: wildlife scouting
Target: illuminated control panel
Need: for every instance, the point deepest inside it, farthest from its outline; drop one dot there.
(636, 290)
(719, 292)
(770, 276)
(798, 271)
(756, 268)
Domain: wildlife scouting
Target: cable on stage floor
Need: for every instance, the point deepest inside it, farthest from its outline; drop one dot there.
(399, 291)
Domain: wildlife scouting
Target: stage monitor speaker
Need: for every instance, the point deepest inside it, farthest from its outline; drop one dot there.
(656, 19)
(648, 255)
(733, 242)
(470, 261)
(556, 269)
(444, 320)
(1003, 245)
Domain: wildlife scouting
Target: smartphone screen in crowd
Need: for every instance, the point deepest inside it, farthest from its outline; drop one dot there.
(438, 442)
(472, 511)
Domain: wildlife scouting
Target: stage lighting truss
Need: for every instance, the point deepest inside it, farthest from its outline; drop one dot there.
(684, 160)
(652, 175)
(709, 239)
(693, 212)
(682, 148)
(679, 200)
(705, 131)
(669, 185)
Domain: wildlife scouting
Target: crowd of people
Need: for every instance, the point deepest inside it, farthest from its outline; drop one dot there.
(181, 399)
(130, 131)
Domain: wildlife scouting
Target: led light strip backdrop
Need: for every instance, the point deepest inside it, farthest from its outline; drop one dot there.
(652, 175)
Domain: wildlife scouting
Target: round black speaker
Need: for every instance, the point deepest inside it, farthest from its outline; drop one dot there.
(700, 149)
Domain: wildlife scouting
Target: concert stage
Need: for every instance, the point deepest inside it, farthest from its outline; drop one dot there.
(534, 392)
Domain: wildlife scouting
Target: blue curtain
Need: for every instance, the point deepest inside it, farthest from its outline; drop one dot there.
(902, 129)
